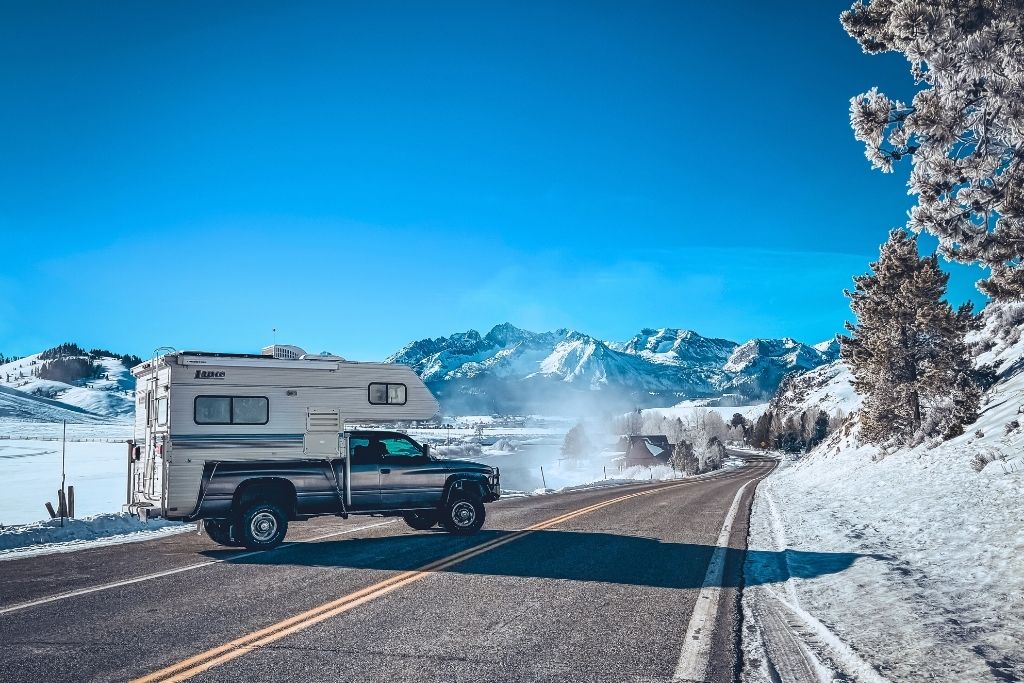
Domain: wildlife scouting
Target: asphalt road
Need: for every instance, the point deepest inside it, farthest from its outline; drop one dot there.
(616, 584)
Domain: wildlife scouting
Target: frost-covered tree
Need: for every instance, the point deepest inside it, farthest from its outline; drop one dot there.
(576, 443)
(675, 430)
(712, 456)
(683, 458)
(907, 350)
(964, 130)
(634, 423)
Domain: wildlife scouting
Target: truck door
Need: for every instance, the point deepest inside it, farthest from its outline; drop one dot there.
(408, 478)
(365, 474)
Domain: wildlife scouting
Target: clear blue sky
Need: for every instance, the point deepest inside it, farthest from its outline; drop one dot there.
(362, 174)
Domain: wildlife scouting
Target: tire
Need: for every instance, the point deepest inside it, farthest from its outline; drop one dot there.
(262, 526)
(463, 516)
(420, 521)
(219, 531)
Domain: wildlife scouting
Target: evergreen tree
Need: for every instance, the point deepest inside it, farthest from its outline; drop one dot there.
(821, 427)
(963, 131)
(907, 350)
(576, 442)
(683, 458)
(760, 435)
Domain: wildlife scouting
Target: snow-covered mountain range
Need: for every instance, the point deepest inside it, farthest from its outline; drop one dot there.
(514, 370)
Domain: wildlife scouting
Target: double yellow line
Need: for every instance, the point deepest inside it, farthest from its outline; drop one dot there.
(187, 668)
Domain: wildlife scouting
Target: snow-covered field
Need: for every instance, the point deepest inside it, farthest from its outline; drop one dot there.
(903, 567)
(30, 474)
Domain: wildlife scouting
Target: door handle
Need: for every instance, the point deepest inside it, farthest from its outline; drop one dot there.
(385, 470)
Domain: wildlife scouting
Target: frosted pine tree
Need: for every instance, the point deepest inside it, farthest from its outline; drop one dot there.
(907, 349)
(683, 458)
(964, 130)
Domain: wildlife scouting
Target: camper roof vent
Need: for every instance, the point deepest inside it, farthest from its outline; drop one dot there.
(283, 352)
(323, 355)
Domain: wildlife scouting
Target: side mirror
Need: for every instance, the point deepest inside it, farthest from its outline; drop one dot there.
(426, 450)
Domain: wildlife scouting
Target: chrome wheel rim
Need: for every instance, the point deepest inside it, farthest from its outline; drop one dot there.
(463, 514)
(263, 526)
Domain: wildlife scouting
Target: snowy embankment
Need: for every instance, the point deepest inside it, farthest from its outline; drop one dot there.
(30, 475)
(44, 538)
(905, 566)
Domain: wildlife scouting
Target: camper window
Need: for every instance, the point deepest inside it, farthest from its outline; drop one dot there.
(386, 394)
(249, 411)
(228, 410)
(161, 411)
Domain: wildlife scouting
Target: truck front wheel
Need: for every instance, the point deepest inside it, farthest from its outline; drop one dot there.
(262, 526)
(463, 516)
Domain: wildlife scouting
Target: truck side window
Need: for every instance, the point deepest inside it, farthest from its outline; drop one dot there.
(360, 449)
(400, 449)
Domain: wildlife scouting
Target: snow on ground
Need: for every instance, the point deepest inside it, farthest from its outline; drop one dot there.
(44, 538)
(30, 469)
(902, 567)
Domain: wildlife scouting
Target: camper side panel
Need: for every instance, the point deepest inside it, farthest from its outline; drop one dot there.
(258, 412)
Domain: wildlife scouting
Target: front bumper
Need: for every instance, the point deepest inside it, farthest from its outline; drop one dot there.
(494, 484)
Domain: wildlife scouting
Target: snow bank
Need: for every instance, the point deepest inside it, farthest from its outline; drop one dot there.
(933, 588)
(30, 475)
(41, 538)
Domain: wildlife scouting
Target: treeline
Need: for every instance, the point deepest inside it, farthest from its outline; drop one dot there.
(68, 370)
(796, 432)
(71, 349)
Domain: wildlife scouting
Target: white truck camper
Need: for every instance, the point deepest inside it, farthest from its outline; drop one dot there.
(249, 442)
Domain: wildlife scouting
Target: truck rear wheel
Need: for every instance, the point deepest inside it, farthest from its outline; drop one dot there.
(463, 516)
(219, 531)
(421, 521)
(262, 526)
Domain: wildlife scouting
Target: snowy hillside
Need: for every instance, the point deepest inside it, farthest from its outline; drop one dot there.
(826, 387)
(933, 592)
(76, 386)
(514, 370)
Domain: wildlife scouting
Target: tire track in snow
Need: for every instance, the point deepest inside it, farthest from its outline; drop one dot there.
(785, 624)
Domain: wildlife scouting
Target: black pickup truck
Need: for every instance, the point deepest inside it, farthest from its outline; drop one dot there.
(250, 503)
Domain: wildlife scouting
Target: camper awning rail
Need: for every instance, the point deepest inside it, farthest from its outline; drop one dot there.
(256, 361)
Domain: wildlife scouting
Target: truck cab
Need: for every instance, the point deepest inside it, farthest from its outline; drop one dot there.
(388, 474)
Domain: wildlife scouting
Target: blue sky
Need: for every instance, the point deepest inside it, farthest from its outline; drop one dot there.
(358, 175)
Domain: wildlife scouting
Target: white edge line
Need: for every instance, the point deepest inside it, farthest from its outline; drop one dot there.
(696, 651)
(177, 570)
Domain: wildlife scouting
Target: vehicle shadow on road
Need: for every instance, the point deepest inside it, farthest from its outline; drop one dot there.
(566, 555)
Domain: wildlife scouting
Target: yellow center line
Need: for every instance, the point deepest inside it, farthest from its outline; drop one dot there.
(190, 667)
